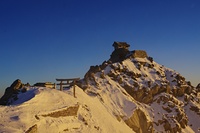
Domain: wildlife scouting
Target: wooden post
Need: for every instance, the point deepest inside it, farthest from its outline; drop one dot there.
(74, 88)
(54, 85)
(61, 88)
(68, 82)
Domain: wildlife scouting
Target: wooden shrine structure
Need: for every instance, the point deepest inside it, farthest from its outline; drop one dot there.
(67, 82)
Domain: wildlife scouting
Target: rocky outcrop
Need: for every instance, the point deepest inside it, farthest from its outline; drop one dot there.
(149, 83)
(198, 87)
(70, 111)
(119, 55)
(11, 92)
(32, 129)
(122, 52)
(139, 54)
(174, 119)
(118, 45)
(138, 91)
(139, 122)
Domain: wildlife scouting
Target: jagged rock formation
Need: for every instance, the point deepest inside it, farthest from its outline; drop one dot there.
(146, 82)
(119, 54)
(11, 92)
(139, 54)
(147, 77)
(198, 87)
(122, 52)
(139, 122)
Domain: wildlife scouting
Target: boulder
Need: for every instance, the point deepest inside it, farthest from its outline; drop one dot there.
(181, 91)
(92, 71)
(11, 92)
(139, 54)
(119, 55)
(139, 123)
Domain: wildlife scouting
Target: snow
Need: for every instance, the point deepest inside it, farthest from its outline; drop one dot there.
(159, 75)
(194, 118)
(105, 104)
(22, 114)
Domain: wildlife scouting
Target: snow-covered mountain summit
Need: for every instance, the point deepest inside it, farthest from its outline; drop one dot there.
(161, 96)
(128, 93)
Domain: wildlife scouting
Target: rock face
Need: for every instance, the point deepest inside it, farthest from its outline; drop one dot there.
(119, 55)
(139, 54)
(123, 45)
(198, 87)
(122, 52)
(152, 85)
(139, 123)
(32, 129)
(11, 92)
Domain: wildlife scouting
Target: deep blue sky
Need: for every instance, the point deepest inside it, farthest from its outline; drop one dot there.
(46, 39)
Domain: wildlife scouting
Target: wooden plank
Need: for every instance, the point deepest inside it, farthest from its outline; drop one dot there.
(49, 84)
(65, 83)
(72, 79)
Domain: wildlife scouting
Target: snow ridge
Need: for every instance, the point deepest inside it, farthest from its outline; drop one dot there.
(135, 94)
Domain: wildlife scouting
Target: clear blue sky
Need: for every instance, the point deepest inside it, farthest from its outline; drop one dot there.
(46, 39)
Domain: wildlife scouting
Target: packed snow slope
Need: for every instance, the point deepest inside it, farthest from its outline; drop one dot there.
(54, 111)
(128, 93)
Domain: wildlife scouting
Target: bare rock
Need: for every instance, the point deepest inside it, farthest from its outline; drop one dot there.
(198, 87)
(139, 54)
(32, 129)
(119, 55)
(154, 89)
(139, 123)
(11, 92)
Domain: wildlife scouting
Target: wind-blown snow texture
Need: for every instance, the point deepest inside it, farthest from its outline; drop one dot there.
(92, 116)
(134, 95)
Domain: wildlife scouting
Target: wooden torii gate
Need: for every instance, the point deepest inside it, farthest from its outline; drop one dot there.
(68, 82)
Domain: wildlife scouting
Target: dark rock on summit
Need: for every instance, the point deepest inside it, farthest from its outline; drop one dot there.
(139, 54)
(119, 55)
(198, 87)
(144, 92)
(122, 52)
(11, 92)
